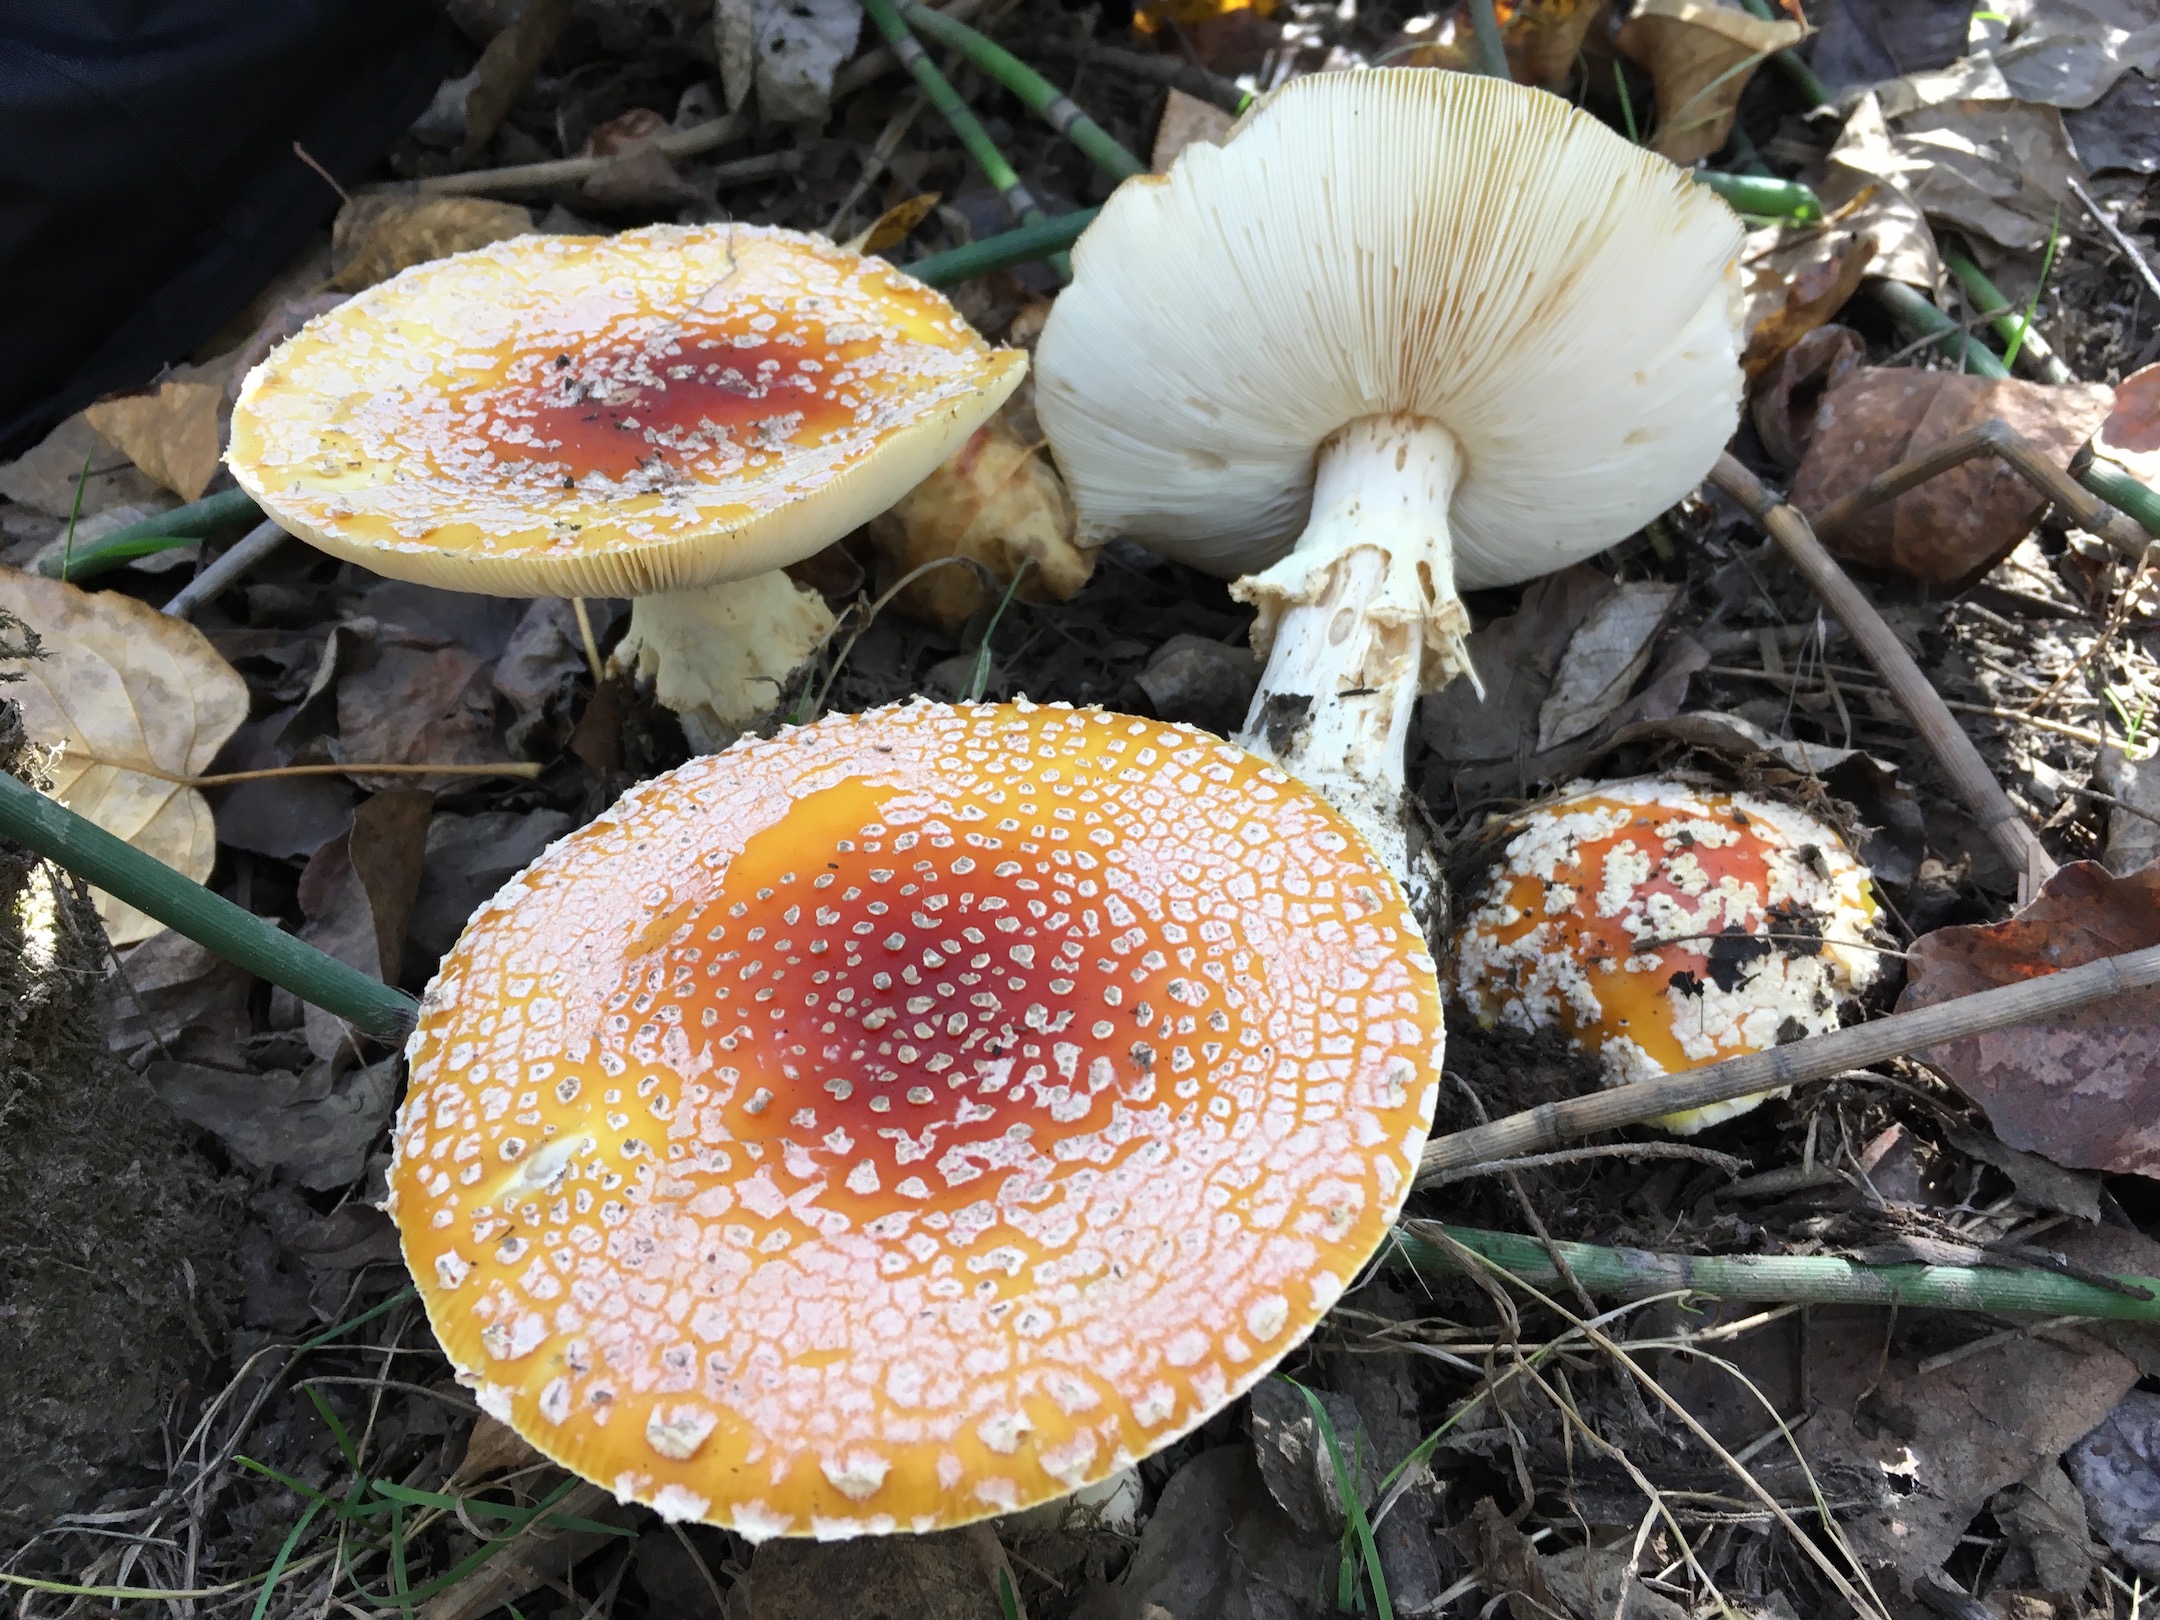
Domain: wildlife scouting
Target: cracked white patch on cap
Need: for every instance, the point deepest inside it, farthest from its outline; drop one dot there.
(1716, 924)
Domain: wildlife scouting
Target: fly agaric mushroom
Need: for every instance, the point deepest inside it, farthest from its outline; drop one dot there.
(1407, 333)
(1664, 927)
(913, 1116)
(672, 414)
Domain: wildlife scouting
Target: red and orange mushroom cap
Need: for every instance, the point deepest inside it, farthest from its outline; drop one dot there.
(613, 415)
(1665, 927)
(914, 1116)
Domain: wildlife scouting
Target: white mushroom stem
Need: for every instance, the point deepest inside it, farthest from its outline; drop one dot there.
(720, 655)
(1358, 618)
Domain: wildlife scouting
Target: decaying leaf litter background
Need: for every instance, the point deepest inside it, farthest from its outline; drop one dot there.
(245, 1135)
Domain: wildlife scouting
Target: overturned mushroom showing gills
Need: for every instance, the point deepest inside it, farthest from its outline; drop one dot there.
(1408, 333)
(678, 411)
(914, 1116)
(1664, 927)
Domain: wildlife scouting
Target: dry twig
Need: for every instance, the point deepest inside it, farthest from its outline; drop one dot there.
(1953, 750)
(1550, 1125)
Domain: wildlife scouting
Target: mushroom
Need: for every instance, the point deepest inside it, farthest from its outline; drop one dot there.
(672, 414)
(1664, 926)
(1407, 333)
(913, 1116)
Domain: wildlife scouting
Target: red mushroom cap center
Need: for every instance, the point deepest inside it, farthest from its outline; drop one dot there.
(920, 1005)
(706, 389)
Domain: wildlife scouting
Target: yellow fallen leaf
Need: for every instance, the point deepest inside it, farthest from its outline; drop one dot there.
(124, 684)
(1700, 57)
(997, 502)
(377, 235)
(170, 432)
(1150, 15)
(892, 227)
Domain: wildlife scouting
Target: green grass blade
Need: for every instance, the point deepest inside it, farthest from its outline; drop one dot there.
(1353, 1502)
(2032, 304)
(345, 1445)
(285, 1551)
(979, 676)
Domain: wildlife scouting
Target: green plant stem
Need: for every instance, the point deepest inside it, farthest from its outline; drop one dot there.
(1790, 1279)
(183, 525)
(1042, 97)
(1019, 201)
(1912, 309)
(1804, 78)
(1491, 47)
(1027, 243)
(2125, 493)
(1762, 196)
(2010, 325)
(50, 829)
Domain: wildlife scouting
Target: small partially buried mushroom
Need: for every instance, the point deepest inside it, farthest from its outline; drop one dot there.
(1408, 333)
(914, 1116)
(672, 414)
(1665, 927)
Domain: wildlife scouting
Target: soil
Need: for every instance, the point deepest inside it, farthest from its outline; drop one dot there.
(118, 1266)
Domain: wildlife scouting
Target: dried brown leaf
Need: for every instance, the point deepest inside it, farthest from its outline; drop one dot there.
(356, 895)
(1959, 524)
(377, 235)
(1542, 38)
(413, 700)
(170, 432)
(1700, 58)
(1863, 188)
(2082, 1088)
(2130, 437)
(894, 226)
(1944, 1438)
(123, 684)
(1788, 395)
(507, 67)
(1785, 303)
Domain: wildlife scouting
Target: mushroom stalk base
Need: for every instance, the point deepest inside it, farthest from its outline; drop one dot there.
(720, 655)
(1359, 618)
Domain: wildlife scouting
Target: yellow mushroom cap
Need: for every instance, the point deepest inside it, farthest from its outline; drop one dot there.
(619, 415)
(914, 1116)
(1665, 927)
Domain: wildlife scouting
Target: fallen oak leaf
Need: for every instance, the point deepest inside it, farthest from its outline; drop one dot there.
(2081, 1088)
(143, 693)
(1959, 524)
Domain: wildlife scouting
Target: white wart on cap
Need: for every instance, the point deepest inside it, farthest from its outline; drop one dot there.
(1445, 322)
